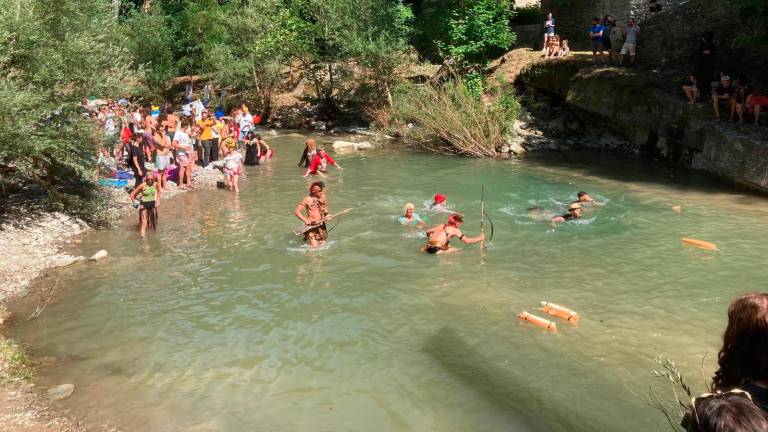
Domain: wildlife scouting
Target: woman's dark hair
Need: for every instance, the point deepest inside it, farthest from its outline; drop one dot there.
(728, 413)
(744, 355)
(258, 137)
(581, 194)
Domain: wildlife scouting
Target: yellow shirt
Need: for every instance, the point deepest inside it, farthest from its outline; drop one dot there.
(205, 127)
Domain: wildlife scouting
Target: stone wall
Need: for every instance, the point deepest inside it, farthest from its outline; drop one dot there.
(631, 104)
(528, 36)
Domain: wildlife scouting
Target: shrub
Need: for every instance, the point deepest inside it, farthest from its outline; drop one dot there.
(452, 119)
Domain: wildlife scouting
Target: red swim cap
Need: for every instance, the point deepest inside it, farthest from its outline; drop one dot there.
(439, 198)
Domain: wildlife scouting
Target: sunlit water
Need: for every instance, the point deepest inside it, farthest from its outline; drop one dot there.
(223, 321)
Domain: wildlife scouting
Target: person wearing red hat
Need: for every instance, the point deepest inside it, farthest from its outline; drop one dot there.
(439, 236)
(438, 203)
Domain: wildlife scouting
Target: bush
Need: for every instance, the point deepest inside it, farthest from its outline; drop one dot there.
(452, 119)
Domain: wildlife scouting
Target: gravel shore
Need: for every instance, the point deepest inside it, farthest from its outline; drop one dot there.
(31, 243)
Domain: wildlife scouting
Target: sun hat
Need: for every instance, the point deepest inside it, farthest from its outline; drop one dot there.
(439, 199)
(574, 206)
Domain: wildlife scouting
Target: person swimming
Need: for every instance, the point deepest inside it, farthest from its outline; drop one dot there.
(439, 203)
(439, 237)
(410, 217)
(574, 212)
(584, 198)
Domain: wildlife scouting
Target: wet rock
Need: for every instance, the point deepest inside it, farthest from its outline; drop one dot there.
(349, 145)
(61, 392)
(557, 126)
(100, 255)
(574, 125)
(272, 132)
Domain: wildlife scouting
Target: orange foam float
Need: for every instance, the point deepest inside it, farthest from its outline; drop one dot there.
(700, 244)
(539, 321)
(560, 312)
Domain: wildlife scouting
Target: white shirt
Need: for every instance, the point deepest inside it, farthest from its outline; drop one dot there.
(246, 121)
(232, 160)
(183, 139)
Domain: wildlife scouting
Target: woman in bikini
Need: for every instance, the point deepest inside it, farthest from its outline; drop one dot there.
(150, 197)
(439, 236)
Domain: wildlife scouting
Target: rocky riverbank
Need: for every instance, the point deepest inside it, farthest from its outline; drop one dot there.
(32, 241)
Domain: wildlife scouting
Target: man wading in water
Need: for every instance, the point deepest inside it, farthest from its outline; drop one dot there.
(316, 209)
(439, 236)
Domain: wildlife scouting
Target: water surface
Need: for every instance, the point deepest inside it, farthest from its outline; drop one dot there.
(223, 321)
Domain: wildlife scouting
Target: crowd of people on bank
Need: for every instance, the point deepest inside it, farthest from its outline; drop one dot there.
(154, 146)
(735, 95)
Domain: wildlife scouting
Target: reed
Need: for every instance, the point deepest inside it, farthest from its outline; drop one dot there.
(451, 118)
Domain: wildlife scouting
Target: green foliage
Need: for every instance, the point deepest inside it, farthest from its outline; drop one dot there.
(151, 41)
(52, 53)
(754, 14)
(475, 83)
(468, 31)
(464, 124)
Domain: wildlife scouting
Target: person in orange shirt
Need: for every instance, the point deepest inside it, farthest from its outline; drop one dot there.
(206, 124)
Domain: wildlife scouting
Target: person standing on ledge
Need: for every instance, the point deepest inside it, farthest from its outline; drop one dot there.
(439, 236)
(315, 207)
(596, 34)
(630, 43)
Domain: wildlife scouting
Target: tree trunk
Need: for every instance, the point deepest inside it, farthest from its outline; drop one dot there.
(115, 9)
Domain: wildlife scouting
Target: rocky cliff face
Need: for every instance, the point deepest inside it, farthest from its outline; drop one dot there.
(634, 106)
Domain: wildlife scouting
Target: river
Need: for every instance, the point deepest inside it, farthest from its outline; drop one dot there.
(224, 321)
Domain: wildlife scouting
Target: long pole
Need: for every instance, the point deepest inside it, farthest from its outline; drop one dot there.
(482, 215)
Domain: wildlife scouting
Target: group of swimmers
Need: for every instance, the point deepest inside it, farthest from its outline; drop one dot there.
(313, 213)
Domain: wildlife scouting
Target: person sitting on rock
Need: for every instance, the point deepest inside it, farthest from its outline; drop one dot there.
(691, 89)
(755, 103)
(553, 47)
(722, 92)
(564, 49)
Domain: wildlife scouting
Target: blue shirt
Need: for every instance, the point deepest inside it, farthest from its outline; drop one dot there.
(597, 29)
(416, 220)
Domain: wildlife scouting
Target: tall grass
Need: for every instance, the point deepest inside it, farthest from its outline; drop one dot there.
(452, 118)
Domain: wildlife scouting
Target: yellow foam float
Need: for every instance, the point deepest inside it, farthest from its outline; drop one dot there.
(560, 312)
(700, 244)
(539, 321)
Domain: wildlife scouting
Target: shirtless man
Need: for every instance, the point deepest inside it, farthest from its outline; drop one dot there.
(439, 236)
(316, 209)
(584, 198)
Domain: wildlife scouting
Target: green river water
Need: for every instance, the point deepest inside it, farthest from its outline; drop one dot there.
(223, 321)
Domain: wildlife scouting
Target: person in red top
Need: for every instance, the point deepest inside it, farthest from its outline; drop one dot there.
(319, 163)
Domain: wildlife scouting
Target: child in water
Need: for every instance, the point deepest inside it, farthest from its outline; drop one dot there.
(410, 217)
(233, 168)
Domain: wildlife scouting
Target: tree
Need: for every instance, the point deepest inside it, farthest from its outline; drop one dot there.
(151, 42)
(468, 31)
(52, 53)
(263, 37)
(476, 30)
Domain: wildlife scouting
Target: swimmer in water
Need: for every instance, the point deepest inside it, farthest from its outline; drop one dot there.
(574, 212)
(410, 217)
(439, 236)
(438, 203)
(584, 198)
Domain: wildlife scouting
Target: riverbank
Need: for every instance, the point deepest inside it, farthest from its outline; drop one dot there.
(33, 241)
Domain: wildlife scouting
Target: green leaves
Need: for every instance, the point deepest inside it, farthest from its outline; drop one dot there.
(52, 53)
